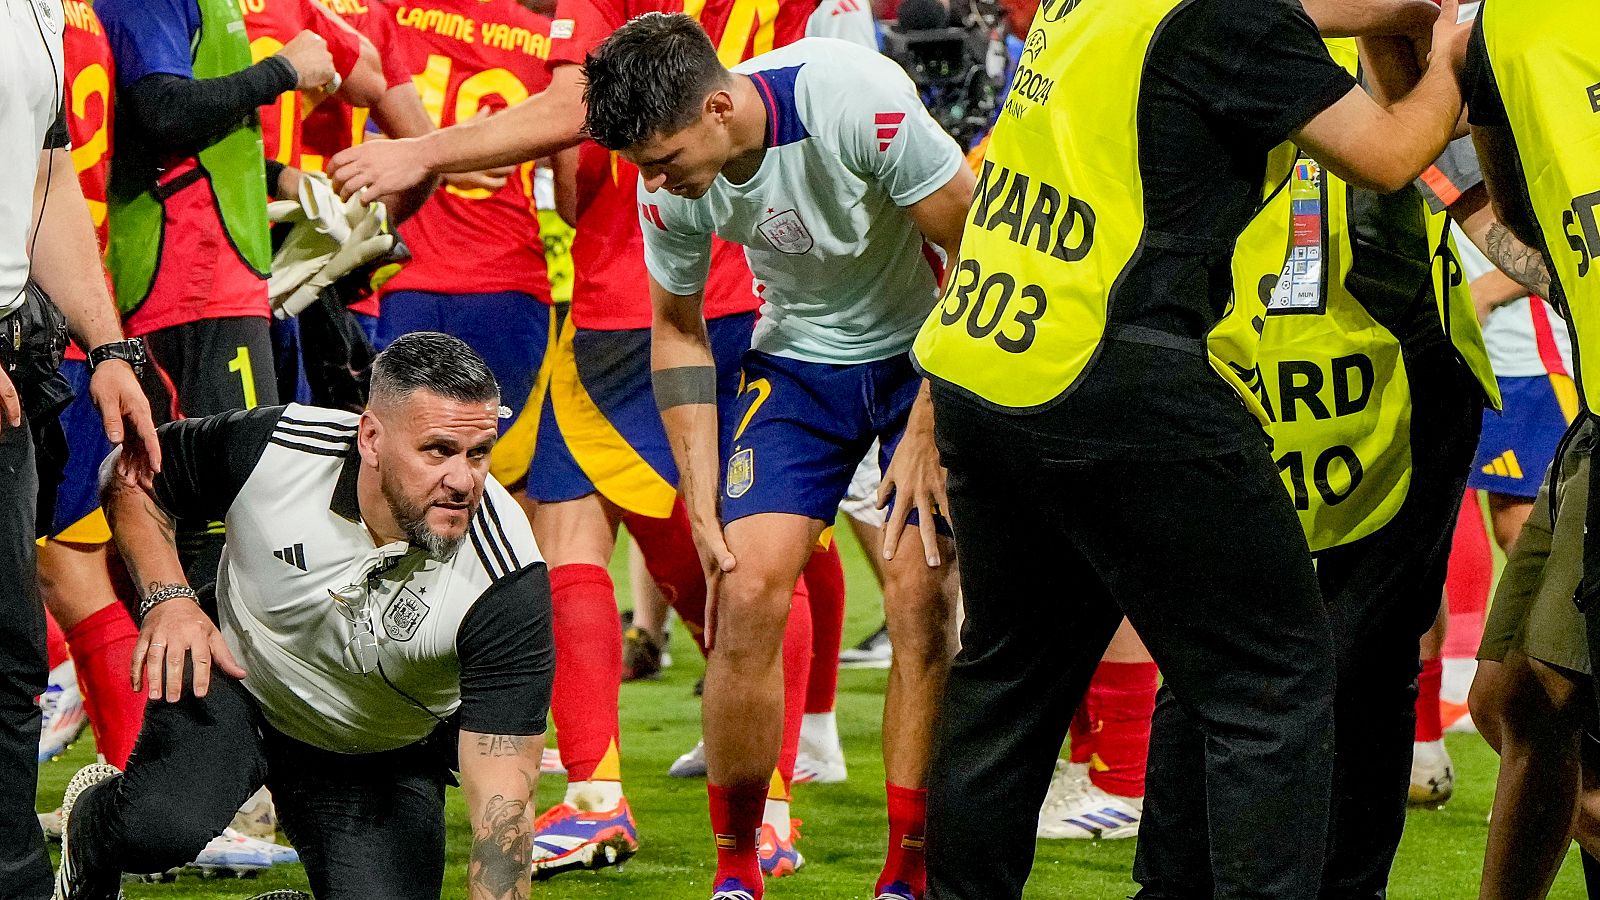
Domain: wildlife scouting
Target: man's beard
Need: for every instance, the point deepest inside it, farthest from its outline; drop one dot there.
(412, 517)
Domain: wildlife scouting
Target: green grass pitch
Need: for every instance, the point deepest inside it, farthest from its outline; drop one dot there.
(843, 830)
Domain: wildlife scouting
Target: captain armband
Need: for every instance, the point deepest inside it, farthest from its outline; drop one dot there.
(684, 385)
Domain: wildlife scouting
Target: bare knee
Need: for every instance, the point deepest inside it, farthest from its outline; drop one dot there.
(751, 613)
(921, 619)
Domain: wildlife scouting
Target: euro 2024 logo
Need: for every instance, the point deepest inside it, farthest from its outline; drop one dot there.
(1034, 46)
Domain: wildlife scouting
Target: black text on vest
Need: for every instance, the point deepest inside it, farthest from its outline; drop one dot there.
(1582, 229)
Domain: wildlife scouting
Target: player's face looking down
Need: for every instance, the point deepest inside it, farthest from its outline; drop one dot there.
(687, 161)
(431, 456)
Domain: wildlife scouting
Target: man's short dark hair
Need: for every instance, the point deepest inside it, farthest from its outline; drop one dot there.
(432, 361)
(650, 77)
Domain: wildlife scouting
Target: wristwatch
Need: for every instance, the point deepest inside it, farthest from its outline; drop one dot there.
(130, 351)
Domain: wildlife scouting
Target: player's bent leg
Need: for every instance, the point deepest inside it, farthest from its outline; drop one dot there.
(366, 825)
(742, 710)
(196, 760)
(592, 827)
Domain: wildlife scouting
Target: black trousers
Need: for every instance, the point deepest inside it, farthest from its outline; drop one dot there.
(1382, 594)
(367, 826)
(24, 866)
(1207, 559)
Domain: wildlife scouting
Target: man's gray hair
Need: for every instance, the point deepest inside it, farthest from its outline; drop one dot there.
(432, 361)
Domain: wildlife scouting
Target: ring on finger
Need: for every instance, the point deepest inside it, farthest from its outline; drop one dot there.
(155, 644)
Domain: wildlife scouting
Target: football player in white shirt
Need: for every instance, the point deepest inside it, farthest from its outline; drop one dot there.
(820, 159)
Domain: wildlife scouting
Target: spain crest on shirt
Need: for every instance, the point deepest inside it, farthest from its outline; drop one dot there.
(787, 233)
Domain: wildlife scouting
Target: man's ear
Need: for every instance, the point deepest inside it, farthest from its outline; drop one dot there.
(369, 432)
(720, 105)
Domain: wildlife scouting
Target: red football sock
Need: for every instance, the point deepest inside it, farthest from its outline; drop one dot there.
(796, 672)
(55, 641)
(1081, 734)
(1429, 726)
(102, 652)
(908, 823)
(588, 635)
(1124, 699)
(1468, 581)
(674, 565)
(735, 821)
(824, 577)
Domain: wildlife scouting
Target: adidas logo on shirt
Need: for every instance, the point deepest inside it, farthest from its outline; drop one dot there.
(294, 556)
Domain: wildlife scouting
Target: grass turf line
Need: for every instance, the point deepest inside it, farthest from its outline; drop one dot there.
(843, 834)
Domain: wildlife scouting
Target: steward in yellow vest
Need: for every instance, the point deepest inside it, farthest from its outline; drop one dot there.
(1533, 78)
(1103, 462)
(1356, 331)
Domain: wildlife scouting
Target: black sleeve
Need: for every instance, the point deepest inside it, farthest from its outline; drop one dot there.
(274, 172)
(205, 461)
(507, 650)
(1258, 66)
(175, 112)
(1478, 87)
(58, 137)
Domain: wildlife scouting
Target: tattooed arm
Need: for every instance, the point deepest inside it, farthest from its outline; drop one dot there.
(1482, 225)
(1525, 265)
(499, 775)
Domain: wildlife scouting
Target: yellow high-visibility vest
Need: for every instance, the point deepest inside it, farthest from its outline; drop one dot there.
(1545, 55)
(1058, 214)
(1330, 376)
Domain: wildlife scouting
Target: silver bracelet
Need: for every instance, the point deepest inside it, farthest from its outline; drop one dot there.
(162, 595)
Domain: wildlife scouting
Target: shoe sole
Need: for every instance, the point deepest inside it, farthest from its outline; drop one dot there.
(69, 800)
(1426, 799)
(204, 873)
(613, 851)
(1108, 834)
(814, 777)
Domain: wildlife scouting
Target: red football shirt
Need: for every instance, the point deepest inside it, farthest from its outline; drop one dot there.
(90, 73)
(335, 125)
(611, 289)
(272, 23)
(466, 56)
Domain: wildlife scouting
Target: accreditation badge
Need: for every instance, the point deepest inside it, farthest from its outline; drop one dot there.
(1301, 284)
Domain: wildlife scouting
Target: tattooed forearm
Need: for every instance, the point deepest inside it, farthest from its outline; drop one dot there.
(502, 851)
(500, 745)
(1522, 263)
(169, 530)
